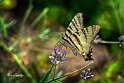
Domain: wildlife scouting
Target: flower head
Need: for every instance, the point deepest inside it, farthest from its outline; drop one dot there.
(86, 74)
(97, 39)
(58, 56)
(121, 40)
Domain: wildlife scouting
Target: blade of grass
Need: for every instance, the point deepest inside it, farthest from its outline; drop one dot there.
(28, 11)
(2, 44)
(47, 74)
(39, 17)
(10, 24)
(19, 62)
(3, 27)
(21, 32)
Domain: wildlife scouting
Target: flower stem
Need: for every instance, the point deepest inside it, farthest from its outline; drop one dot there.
(54, 71)
(109, 42)
(68, 74)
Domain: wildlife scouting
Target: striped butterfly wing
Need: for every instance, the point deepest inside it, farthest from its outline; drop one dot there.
(75, 25)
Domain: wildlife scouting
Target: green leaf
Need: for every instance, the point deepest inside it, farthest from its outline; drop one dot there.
(47, 74)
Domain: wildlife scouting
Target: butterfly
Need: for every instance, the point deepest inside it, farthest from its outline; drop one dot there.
(78, 38)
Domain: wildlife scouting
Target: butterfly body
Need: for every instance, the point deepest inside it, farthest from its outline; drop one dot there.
(79, 38)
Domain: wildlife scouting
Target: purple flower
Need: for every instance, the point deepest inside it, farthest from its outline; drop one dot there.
(86, 74)
(58, 57)
(97, 39)
(121, 40)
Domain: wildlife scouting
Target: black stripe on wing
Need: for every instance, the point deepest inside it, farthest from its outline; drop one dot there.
(73, 42)
(68, 42)
(77, 36)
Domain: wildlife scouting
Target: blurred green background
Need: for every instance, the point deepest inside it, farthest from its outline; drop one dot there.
(30, 29)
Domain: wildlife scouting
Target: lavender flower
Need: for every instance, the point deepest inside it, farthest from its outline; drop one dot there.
(86, 74)
(121, 40)
(97, 39)
(58, 56)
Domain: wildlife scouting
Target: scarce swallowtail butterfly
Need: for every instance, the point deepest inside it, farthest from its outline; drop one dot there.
(78, 38)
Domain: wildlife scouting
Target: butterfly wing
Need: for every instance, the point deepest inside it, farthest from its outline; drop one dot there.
(75, 25)
(90, 33)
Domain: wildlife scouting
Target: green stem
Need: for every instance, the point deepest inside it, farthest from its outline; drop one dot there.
(109, 42)
(68, 74)
(46, 76)
(54, 71)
